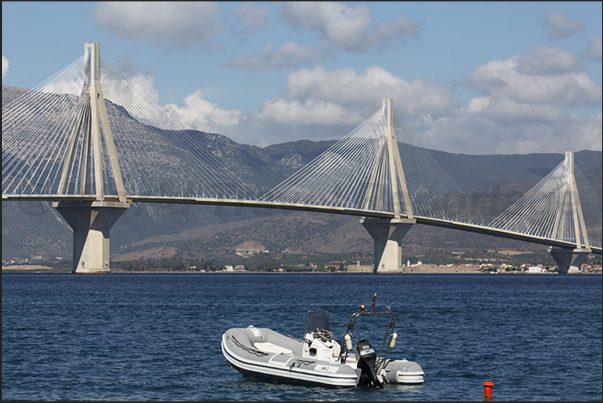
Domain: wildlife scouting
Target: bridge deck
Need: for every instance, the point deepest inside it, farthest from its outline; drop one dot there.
(320, 209)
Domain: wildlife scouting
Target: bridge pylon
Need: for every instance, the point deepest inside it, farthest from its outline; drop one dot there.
(91, 221)
(388, 184)
(569, 214)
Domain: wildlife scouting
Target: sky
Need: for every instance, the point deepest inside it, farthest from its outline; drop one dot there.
(466, 77)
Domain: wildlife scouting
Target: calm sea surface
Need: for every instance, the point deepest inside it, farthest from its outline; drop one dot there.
(157, 336)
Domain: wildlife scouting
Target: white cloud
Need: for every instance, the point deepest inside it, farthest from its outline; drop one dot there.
(136, 91)
(310, 112)
(516, 111)
(287, 55)
(485, 133)
(593, 51)
(548, 61)
(508, 79)
(508, 112)
(561, 25)
(319, 104)
(251, 16)
(4, 67)
(280, 120)
(478, 104)
(177, 24)
(365, 90)
(520, 109)
(200, 114)
(347, 27)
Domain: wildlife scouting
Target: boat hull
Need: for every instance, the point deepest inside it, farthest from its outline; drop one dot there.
(402, 372)
(240, 348)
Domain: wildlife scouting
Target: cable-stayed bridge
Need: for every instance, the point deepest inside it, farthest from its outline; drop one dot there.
(93, 150)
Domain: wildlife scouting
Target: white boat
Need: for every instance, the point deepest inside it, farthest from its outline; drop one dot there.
(319, 359)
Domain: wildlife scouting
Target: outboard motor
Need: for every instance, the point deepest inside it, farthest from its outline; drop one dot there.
(366, 359)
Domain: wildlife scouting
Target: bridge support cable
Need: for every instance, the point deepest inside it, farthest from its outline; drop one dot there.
(387, 177)
(339, 176)
(156, 155)
(569, 260)
(591, 208)
(387, 174)
(91, 221)
(361, 171)
(90, 123)
(433, 193)
(160, 156)
(552, 209)
(35, 132)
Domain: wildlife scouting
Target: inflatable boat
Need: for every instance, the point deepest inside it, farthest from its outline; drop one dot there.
(318, 358)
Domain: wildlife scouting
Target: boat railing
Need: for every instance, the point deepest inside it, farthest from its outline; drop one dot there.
(388, 333)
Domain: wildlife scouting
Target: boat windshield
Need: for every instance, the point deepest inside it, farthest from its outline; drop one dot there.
(317, 320)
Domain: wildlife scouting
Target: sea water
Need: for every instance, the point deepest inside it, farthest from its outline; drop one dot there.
(157, 336)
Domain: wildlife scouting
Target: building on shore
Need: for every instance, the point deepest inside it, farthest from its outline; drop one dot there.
(358, 268)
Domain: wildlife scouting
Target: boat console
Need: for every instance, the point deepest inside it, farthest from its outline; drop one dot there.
(320, 342)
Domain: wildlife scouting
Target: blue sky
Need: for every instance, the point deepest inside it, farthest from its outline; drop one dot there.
(467, 77)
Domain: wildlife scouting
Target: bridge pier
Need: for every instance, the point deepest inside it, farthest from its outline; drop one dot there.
(387, 235)
(569, 260)
(91, 222)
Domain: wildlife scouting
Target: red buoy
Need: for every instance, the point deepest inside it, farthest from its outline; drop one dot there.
(488, 387)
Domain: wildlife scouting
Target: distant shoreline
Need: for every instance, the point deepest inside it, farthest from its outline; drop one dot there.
(36, 268)
(29, 267)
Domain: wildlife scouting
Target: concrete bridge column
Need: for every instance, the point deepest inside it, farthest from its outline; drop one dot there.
(569, 260)
(387, 235)
(91, 222)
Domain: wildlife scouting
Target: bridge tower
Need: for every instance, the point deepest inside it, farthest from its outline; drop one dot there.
(570, 260)
(91, 220)
(387, 234)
